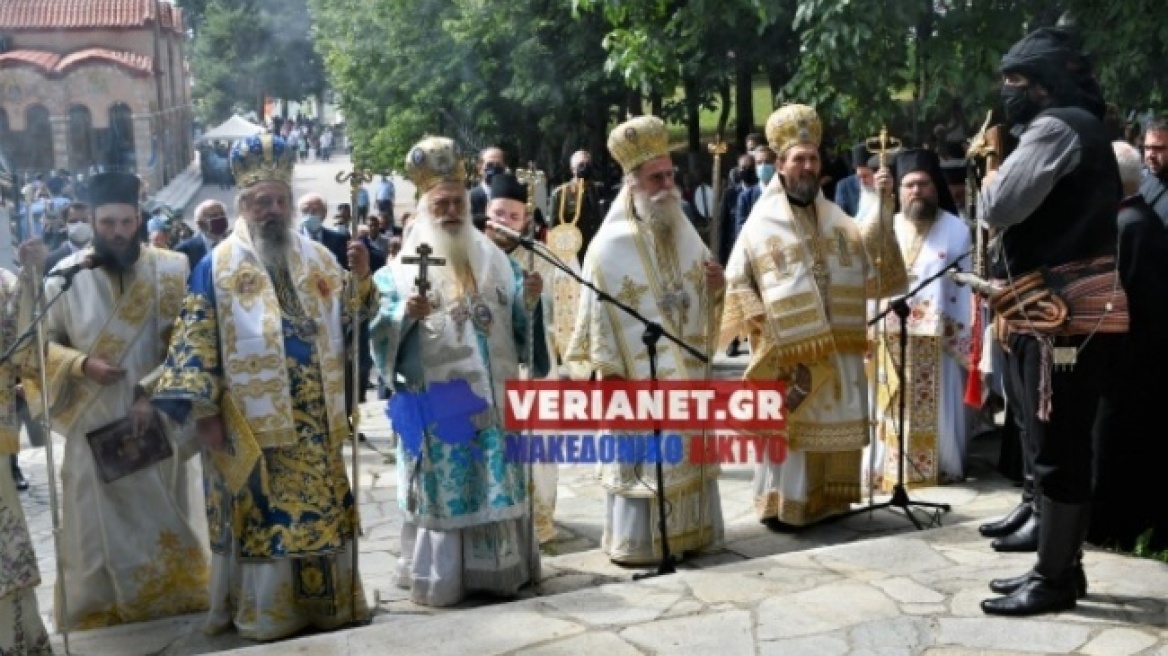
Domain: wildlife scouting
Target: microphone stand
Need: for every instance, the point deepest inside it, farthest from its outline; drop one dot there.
(31, 331)
(899, 307)
(653, 333)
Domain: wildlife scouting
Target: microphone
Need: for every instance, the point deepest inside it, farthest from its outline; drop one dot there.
(974, 282)
(512, 235)
(92, 261)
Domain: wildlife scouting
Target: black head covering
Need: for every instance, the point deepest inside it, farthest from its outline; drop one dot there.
(955, 172)
(1053, 57)
(110, 188)
(860, 155)
(919, 159)
(505, 185)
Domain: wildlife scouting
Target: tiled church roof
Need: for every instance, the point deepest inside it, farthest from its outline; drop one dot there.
(51, 63)
(86, 14)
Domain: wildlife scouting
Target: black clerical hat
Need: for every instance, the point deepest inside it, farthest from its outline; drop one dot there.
(920, 159)
(505, 185)
(110, 188)
(955, 171)
(860, 155)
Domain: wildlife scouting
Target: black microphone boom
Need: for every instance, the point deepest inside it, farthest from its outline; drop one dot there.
(90, 262)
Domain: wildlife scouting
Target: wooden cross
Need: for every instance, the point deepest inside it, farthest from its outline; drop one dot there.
(424, 262)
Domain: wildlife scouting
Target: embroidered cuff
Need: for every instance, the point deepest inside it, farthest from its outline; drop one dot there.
(77, 366)
(203, 409)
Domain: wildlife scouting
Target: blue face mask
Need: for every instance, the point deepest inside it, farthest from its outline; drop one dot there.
(312, 223)
(765, 172)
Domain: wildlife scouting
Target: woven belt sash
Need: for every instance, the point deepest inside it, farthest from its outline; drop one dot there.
(1080, 298)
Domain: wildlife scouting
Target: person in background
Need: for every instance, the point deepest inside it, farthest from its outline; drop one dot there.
(211, 220)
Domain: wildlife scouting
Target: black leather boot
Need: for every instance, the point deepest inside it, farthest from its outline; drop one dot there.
(1025, 537)
(1008, 524)
(1053, 585)
(1009, 585)
(18, 476)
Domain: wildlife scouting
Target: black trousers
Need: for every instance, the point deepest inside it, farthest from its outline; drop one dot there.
(1064, 446)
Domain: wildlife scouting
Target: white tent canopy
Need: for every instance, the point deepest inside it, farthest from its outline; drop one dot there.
(232, 129)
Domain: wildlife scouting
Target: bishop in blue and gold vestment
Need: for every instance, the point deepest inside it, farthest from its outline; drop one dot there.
(258, 362)
(449, 354)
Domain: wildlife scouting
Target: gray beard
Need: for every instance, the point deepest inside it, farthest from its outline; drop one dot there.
(921, 211)
(273, 242)
(803, 189)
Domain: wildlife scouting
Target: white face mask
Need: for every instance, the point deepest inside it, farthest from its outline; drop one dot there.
(80, 234)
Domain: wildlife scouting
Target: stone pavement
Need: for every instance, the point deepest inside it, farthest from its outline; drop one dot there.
(911, 594)
(829, 589)
(312, 176)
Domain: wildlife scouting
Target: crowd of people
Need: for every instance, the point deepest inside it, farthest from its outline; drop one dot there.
(205, 451)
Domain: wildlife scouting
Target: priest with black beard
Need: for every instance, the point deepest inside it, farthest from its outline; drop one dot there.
(133, 542)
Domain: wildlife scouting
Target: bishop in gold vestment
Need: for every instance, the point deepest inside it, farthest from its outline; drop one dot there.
(799, 278)
(650, 257)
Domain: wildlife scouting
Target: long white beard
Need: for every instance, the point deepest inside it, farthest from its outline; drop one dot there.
(455, 249)
(662, 211)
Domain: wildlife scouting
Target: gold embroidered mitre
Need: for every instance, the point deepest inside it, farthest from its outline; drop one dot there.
(432, 161)
(262, 158)
(793, 125)
(637, 141)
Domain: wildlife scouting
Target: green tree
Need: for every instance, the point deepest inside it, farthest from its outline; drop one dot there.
(520, 75)
(248, 50)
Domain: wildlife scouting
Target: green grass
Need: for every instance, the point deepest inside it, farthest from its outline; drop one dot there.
(709, 117)
(1142, 550)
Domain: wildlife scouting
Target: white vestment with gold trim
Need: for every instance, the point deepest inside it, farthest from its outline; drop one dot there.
(799, 278)
(664, 282)
(134, 549)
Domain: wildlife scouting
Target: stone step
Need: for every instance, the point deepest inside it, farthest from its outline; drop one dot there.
(912, 593)
(178, 194)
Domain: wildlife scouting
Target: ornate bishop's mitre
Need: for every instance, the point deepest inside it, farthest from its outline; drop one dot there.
(637, 141)
(432, 161)
(793, 125)
(262, 158)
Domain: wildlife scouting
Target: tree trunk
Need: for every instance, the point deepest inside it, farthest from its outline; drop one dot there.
(724, 110)
(636, 105)
(656, 103)
(693, 122)
(744, 99)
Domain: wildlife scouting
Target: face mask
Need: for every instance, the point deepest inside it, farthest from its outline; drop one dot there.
(313, 223)
(765, 172)
(218, 227)
(491, 170)
(583, 171)
(1017, 105)
(80, 233)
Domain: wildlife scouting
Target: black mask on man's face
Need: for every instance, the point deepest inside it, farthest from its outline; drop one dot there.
(491, 170)
(584, 171)
(1018, 105)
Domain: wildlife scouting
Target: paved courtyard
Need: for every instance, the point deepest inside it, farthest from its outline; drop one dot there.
(864, 584)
